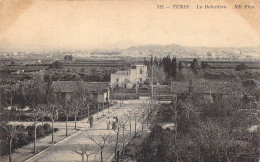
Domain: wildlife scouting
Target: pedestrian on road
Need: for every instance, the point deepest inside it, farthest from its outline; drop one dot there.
(114, 123)
(108, 123)
(91, 121)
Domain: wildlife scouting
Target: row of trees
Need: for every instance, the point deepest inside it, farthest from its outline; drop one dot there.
(171, 67)
(104, 140)
(204, 132)
(87, 74)
(43, 102)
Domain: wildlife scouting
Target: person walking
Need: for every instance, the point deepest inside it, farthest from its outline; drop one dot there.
(91, 121)
(114, 123)
(108, 123)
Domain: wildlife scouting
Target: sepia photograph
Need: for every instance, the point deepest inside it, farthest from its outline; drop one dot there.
(129, 81)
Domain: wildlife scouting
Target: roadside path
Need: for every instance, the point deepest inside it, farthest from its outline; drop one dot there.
(63, 151)
(25, 152)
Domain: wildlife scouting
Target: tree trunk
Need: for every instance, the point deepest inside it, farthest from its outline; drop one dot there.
(88, 112)
(123, 139)
(52, 133)
(82, 158)
(98, 111)
(135, 126)
(87, 158)
(143, 123)
(10, 149)
(103, 109)
(35, 136)
(20, 115)
(101, 154)
(147, 116)
(130, 130)
(42, 120)
(67, 125)
(75, 121)
(175, 121)
(116, 142)
(108, 108)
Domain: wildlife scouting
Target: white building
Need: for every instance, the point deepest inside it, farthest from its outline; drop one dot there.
(127, 79)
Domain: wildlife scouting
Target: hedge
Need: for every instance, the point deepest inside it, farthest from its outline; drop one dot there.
(24, 137)
(62, 116)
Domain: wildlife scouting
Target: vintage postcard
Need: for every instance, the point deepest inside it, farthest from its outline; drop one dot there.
(129, 80)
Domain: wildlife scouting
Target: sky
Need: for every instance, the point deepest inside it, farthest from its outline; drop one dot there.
(81, 24)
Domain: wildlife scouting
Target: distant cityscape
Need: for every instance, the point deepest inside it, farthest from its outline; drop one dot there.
(202, 53)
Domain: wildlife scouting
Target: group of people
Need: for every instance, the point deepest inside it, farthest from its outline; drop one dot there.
(112, 122)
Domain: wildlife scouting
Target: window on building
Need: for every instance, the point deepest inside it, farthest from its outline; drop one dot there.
(117, 80)
(140, 79)
(141, 71)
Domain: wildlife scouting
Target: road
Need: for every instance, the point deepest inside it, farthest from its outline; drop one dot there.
(63, 151)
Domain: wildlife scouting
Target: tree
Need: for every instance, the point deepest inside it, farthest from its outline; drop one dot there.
(87, 103)
(151, 61)
(35, 117)
(53, 114)
(194, 65)
(119, 127)
(83, 150)
(180, 66)
(174, 67)
(35, 93)
(135, 115)
(68, 111)
(204, 65)
(10, 131)
(9, 91)
(145, 62)
(78, 98)
(160, 62)
(155, 61)
(159, 75)
(102, 143)
(143, 112)
(56, 65)
(190, 87)
(129, 116)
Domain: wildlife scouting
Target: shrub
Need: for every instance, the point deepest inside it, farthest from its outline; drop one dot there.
(204, 65)
(241, 67)
(15, 143)
(4, 148)
(31, 134)
(22, 139)
(3, 133)
(30, 130)
(20, 127)
(47, 128)
(40, 131)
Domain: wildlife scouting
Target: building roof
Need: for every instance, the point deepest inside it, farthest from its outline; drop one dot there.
(71, 86)
(122, 73)
(205, 86)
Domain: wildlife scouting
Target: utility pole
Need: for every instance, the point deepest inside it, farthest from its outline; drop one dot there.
(152, 85)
